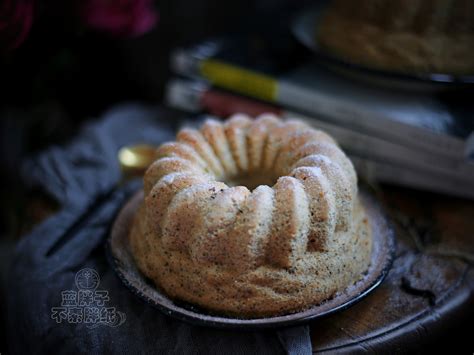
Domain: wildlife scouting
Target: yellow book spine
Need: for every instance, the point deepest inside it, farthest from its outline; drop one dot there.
(240, 80)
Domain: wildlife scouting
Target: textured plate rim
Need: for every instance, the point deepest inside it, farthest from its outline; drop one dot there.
(382, 258)
(307, 19)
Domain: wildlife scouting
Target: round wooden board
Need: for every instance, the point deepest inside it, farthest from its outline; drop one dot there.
(121, 259)
(425, 304)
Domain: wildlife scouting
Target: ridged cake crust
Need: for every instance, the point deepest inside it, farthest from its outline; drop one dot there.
(292, 237)
(402, 35)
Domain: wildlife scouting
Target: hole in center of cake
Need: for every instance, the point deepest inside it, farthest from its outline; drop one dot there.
(252, 181)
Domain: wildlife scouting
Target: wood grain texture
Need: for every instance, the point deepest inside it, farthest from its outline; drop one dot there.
(429, 289)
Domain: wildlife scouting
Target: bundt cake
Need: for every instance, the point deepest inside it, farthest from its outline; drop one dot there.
(251, 218)
(404, 35)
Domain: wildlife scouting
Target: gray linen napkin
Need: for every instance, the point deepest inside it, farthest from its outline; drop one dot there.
(65, 298)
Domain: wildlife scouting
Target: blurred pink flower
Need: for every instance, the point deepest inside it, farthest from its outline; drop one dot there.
(16, 18)
(119, 18)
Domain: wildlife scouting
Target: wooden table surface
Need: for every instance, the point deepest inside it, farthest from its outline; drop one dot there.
(429, 290)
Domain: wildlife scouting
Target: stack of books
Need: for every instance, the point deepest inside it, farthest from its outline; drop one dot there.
(411, 138)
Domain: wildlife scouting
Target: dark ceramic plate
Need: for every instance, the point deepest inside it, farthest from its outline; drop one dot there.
(304, 28)
(121, 260)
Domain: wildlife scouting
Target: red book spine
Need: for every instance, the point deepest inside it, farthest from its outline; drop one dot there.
(223, 104)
